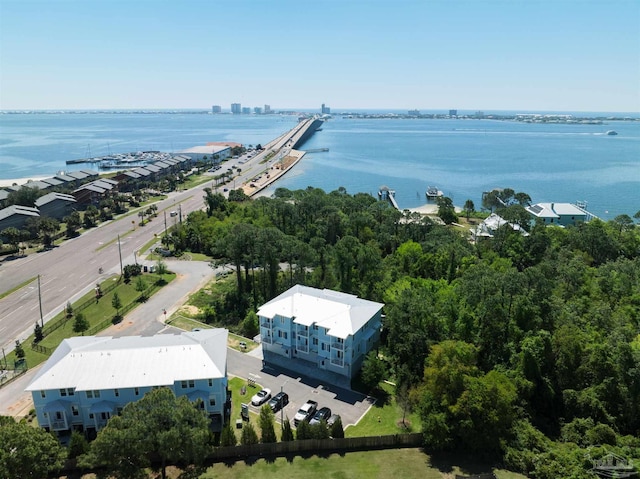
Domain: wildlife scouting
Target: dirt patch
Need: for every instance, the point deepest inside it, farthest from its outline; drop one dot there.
(189, 310)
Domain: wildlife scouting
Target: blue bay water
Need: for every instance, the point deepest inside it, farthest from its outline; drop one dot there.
(550, 162)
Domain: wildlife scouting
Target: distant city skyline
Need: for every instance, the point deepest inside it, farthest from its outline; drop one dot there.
(490, 55)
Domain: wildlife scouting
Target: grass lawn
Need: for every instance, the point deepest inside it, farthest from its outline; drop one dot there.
(96, 313)
(405, 463)
(384, 417)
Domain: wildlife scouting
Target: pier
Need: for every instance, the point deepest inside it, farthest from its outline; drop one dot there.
(385, 194)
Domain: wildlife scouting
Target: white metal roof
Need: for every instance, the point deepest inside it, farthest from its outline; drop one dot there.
(93, 363)
(555, 210)
(341, 313)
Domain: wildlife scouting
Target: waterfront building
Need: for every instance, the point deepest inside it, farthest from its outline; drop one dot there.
(562, 214)
(210, 151)
(89, 379)
(246, 110)
(453, 112)
(56, 205)
(236, 108)
(267, 109)
(413, 113)
(16, 216)
(216, 109)
(319, 331)
(257, 110)
(491, 224)
(325, 110)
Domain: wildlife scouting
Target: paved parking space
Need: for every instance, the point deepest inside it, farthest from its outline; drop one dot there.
(349, 404)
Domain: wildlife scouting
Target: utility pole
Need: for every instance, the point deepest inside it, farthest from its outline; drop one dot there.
(282, 408)
(120, 253)
(180, 212)
(40, 303)
(165, 224)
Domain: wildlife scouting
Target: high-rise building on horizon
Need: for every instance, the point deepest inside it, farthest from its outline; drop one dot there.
(257, 110)
(453, 112)
(325, 110)
(267, 109)
(246, 110)
(236, 108)
(216, 109)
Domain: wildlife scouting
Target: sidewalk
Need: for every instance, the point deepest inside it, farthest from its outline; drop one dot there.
(147, 319)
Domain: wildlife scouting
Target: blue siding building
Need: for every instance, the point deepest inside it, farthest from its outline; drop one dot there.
(322, 329)
(89, 379)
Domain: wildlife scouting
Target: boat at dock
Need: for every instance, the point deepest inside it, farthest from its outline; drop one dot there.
(433, 193)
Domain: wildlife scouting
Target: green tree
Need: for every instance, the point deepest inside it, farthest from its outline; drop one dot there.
(336, 430)
(215, 202)
(373, 370)
(468, 208)
(141, 287)
(249, 325)
(68, 309)
(249, 435)
(116, 302)
(446, 210)
(287, 432)
(320, 430)
(73, 223)
(303, 431)
(28, 452)
(78, 445)
(80, 324)
(172, 429)
(47, 228)
(37, 333)
(19, 350)
(228, 436)
(265, 422)
(13, 236)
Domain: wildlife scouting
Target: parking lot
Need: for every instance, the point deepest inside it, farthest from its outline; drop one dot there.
(350, 405)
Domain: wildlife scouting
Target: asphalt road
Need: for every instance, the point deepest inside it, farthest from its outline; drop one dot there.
(71, 270)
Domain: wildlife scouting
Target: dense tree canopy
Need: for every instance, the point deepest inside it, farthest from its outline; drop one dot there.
(511, 343)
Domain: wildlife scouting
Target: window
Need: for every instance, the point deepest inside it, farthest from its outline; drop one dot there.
(212, 402)
(323, 346)
(96, 394)
(63, 392)
(89, 394)
(210, 382)
(74, 410)
(136, 391)
(91, 416)
(187, 384)
(315, 327)
(116, 393)
(315, 341)
(118, 411)
(43, 394)
(284, 335)
(339, 354)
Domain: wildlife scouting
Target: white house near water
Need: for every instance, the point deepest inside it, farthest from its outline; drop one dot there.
(321, 329)
(89, 379)
(562, 214)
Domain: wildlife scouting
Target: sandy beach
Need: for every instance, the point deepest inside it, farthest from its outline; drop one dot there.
(22, 181)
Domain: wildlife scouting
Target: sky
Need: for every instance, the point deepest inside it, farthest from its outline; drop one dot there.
(522, 55)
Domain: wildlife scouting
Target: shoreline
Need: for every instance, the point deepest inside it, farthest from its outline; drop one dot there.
(22, 181)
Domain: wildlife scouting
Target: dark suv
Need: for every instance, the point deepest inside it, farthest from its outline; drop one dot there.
(279, 401)
(322, 413)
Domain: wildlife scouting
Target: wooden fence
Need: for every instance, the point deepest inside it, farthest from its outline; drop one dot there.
(314, 446)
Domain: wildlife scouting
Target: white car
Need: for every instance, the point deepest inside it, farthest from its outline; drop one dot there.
(261, 397)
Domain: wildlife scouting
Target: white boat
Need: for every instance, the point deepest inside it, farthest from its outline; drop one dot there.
(612, 133)
(433, 192)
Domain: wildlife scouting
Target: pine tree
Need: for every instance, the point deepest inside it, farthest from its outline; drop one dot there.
(267, 430)
(287, 432)
(19, 350)
(336, 429)
(80, 324)
(249, 435)
(228, 436)
(37, 333)
(303, 431)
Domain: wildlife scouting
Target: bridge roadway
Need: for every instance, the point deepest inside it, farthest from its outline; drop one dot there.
(70, 270)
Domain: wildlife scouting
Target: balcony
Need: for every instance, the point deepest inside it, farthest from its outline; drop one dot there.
(59, 425)
(303, 348)
(337, 345)
(266, 324)
(337, 362)
(267, 339)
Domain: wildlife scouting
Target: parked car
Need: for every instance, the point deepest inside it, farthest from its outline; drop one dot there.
(261, 397)
(322, 413)
(306, 412)
(331, 421)
(279, 401)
